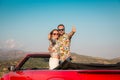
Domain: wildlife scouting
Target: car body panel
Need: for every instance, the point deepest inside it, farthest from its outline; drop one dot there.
(64, 75)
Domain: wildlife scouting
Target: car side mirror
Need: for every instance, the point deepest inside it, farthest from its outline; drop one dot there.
(11, 68)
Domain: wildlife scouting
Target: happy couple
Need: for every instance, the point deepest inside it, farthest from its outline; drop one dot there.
(59, 46)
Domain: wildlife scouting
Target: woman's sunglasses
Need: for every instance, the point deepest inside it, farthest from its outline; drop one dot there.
(55, 34)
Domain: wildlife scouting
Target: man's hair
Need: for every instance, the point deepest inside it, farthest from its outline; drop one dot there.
(60, 25)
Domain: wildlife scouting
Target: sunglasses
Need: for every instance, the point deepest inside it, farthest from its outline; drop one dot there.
(61, 29)
(55, 34)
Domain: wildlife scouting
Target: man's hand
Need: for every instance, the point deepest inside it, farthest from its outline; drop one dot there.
(73, 29)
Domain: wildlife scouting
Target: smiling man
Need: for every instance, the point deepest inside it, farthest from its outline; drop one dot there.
(65, 40)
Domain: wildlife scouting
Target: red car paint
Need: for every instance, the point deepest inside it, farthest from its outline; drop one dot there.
(59, 74)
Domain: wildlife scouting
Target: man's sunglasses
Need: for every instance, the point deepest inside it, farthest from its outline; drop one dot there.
(61, 29)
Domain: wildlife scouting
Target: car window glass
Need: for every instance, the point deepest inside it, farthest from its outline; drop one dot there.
(36, 63)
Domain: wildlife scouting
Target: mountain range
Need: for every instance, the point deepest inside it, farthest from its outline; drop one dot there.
(15, 54)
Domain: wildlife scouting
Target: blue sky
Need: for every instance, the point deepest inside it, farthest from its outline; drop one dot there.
(25, 24)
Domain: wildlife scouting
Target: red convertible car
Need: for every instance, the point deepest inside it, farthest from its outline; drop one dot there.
(35, 67)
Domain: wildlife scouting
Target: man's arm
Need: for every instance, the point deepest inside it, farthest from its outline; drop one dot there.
(72, 32)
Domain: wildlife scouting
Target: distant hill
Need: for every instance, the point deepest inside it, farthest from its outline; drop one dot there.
(89, 59)
(16, 54)
(116, 60)
(11, 54)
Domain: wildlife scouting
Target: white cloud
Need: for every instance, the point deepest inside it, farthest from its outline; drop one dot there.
(11, 44)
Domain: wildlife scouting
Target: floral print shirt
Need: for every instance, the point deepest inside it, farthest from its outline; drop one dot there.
(64, 46)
